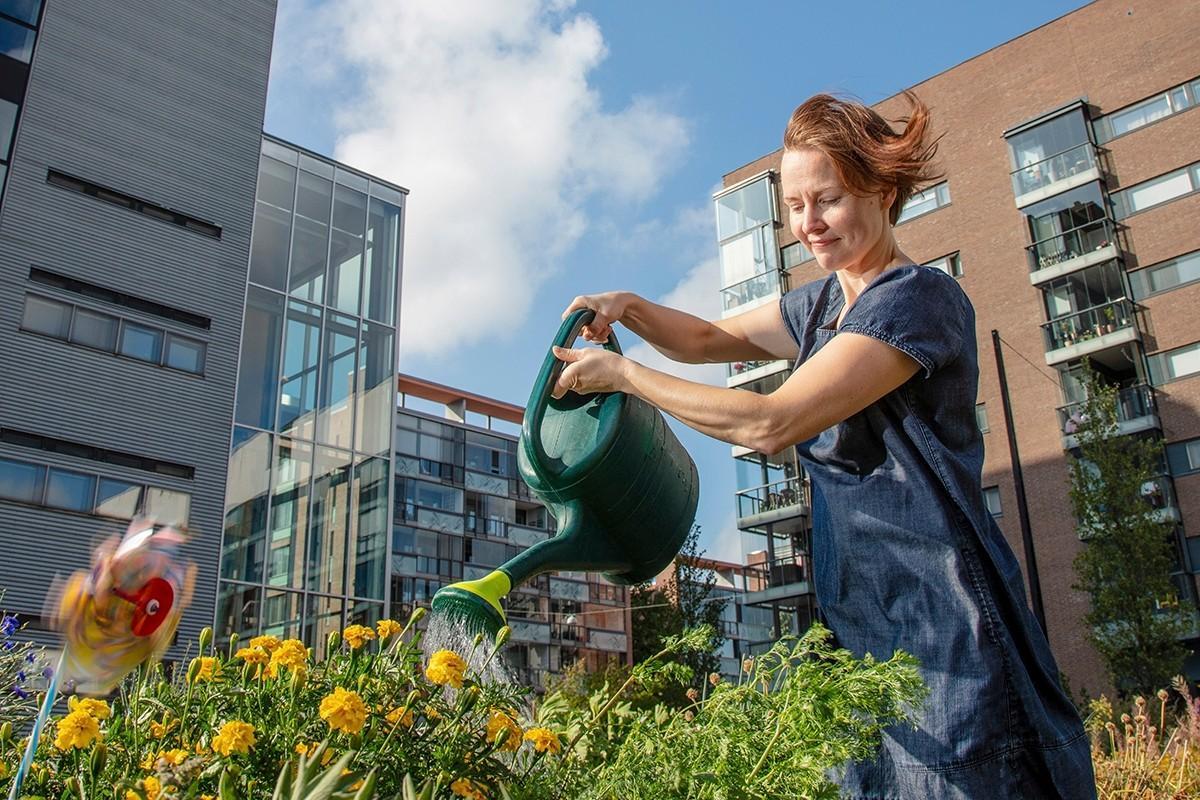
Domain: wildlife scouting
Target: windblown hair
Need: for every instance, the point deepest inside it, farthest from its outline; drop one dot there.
(868, 154)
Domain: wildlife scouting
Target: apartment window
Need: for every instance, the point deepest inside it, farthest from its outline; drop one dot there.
(113, 297)
(73, 491)
(1183, 458)
(991, 499)
(88, 493)
(924, 202)
(112, 334)
(1156, 191)
(795, 254)
(951, 265)
(1172, 364)
(1144, 112)
(981, 418)
(21, 481)
(1167, 275)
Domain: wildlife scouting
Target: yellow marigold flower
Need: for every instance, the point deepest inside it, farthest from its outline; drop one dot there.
(432, 713)
(543, 740)
(498, 722)
(160, 729)
(344, 711)
(446, 668)
(173, 757)
(97, 709)
(401, 716)
(234, 737)
(357, 635)
(268, 643)
(290, 653)
(210, 669)
(76, 729)
(253, 655)
(387, 628)
(152, 787)
(468, 789)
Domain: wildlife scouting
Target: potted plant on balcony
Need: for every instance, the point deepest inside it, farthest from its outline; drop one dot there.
(1110, 319)
(1066, 333)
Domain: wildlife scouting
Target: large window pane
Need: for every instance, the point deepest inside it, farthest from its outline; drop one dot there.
(115, 498)
(46, 316)
(335, 409)
(24, 10)
(258, 370)
(272, 223)
(1165, 276)
(330, 528)
(239, 610)
(73, 491)
(370, 536)
(94, 330)
(322, 616)
(16, 41)
(743, 209)
(281, 614)
(142, 343)
(185, 354)
(167, 507)
(1065, 212)
(21, 481)
(375, 389)
(310, 239)
(1048, 139)
(246, 488)
(289, 513)
(301, 356)
(751, 254)
(8, 121)
(346, 251)
(382, 260)
(1159, 190)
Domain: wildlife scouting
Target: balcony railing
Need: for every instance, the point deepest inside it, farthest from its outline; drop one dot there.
(1070, 244)
(788, 493)
(742, 367)
(783, 571)
(1041, 174)
(765, 283)
(1088, 324)
(1133, 402)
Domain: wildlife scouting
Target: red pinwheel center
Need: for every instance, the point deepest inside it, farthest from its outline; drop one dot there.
(153, 605)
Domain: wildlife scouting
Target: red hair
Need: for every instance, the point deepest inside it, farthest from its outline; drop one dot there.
(867, 153)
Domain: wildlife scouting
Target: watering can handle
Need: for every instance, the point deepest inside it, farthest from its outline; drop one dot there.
(568, 332)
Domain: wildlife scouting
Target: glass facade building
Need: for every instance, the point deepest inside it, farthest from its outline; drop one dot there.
(305, 545)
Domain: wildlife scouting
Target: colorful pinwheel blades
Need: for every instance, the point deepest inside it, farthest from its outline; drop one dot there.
(126, 609)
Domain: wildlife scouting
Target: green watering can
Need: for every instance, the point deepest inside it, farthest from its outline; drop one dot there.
(614, 475)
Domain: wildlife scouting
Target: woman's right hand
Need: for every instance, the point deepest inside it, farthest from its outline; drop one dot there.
(609, 308)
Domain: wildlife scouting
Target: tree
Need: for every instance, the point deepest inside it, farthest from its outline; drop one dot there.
(1135, 621)
(685, 600)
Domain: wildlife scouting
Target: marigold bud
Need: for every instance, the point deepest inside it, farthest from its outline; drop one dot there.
(99, 758)
(193, 670)
(233, 640)
(692, 694)
(206, 637)
(714, 678)
(5, 732)
(417, 615)
(332, 643)
(502, 636)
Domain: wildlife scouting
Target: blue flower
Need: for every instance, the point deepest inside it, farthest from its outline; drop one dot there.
(9, 625)
(8, 644)
(48, 673)
(20, 676)
(30, 657)
(21, 693)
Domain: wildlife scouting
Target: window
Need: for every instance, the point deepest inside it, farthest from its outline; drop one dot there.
(924, 202)
(113, 297)
(1156, 191)
(1165, 276)
(119, 499)
(46, 316)
(991, 499)
(1172, 364)
(72, 491)
(140, 342)
(1144, 112)
(94, 330)
(1183, 458)
(795, 254)
(981, 418)
(143, 207)
(951, 265)
(21, 481)
(16, 41)
(88, 493)
(184, 354)
(744, 208)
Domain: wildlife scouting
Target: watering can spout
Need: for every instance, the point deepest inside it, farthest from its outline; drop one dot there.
(581, 544)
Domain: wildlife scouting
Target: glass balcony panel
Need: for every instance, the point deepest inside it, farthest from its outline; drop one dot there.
(789, 493)
(1088, 324)
(1056, 135)
(742, 367)
(1070, 244)
(1100, 284)
(1040, 174)
(745, 208)
(1133, 402)
(750, 254)
(751, 289)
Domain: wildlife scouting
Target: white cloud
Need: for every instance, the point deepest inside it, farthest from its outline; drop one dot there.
(487, 113)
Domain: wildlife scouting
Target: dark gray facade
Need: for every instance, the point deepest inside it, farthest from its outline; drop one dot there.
(127, 210)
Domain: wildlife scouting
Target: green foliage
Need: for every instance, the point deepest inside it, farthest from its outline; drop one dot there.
(684, 602)
(1135, 621)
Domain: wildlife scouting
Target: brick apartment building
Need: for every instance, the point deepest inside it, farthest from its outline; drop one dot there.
(1068, 214)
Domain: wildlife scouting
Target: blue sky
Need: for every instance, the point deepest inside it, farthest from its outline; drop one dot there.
(556, 148)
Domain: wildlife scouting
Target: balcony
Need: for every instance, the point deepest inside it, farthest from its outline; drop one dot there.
(754, 291)
(1090, 331)
(1159, 494)
(1135, 412)
(741, 372)
(782, 580)
(783, 504)
(1058, 173)
(1071, 251)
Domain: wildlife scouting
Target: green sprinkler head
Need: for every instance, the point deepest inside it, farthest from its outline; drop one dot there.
(475, 604)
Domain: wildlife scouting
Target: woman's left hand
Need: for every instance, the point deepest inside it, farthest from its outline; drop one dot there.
(589, 371)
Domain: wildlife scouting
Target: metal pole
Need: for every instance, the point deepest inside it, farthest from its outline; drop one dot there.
(1035, 585)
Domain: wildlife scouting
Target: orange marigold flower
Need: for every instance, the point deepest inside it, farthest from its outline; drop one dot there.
(446, 668)
(500, 722)
(291, 654)
(468, 789)
(400, 716)
(97, 709)
(345, 711)
(387, 628)
(77, 729)
(209, 669)
(253, 655)
(544, 740)
(357, 635)
(268, 643)
(160, 729)
(234, 737)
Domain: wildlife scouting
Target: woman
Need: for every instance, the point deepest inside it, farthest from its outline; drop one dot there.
(880, 405)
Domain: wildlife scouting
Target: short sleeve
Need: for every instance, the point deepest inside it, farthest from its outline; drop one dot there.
(920, 311)
(795, 307)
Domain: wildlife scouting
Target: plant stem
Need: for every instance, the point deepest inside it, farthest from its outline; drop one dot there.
(770, 745)
(611, 701)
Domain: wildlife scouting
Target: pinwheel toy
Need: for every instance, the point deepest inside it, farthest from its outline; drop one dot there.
(120, 614)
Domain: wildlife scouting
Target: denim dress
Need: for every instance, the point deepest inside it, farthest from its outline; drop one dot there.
(907, 557)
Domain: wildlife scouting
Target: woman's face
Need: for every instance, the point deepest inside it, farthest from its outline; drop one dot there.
(843, 230)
